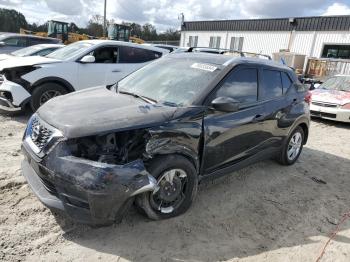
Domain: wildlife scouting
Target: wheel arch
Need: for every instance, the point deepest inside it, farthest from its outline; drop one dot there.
(56, 80)
(304, 123)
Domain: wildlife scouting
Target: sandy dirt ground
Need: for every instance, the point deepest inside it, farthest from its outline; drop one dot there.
(265, 212)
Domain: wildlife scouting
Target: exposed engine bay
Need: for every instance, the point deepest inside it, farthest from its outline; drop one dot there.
(114, 148)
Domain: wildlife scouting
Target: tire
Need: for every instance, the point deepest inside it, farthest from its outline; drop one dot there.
(284, 157)
(159, 168)
(44, 92)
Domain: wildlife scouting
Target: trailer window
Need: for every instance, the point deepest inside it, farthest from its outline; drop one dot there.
(336, 51)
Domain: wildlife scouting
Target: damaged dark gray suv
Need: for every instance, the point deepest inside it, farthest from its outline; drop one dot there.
(152, 137)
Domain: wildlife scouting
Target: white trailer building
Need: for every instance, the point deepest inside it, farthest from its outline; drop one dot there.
(324, 36)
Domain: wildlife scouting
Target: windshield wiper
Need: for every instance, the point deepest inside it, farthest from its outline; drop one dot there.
(144, 98)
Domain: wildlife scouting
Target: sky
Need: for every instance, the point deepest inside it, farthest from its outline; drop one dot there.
(164, 13)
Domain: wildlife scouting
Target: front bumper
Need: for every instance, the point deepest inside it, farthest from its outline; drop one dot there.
(330, 113)
(89, 192)
(19, 95)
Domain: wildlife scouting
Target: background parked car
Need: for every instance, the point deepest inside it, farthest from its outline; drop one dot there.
(331, 100)
(39, 50)
(171, 48)
(10, 42)
(80, 65)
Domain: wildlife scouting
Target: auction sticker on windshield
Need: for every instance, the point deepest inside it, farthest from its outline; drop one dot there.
(205, 67)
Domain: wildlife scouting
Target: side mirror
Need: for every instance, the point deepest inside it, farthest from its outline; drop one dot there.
(225, 104)
(2, 44)
(88, 59)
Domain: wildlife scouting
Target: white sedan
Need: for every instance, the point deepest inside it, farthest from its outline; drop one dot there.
(34, 80)
(331, 100)
(39, 50)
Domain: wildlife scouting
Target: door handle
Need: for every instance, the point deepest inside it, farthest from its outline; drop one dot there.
(115, 71)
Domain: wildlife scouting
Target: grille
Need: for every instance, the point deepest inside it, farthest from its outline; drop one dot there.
(324, 104)
(322, 114)
(40, 134)
(48, 186)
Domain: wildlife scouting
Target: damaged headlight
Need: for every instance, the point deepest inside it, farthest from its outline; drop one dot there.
(15, 74)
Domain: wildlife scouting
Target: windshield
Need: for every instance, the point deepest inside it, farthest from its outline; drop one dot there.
(168, 80)
(341, 83)
(69, 51)
(27, 51)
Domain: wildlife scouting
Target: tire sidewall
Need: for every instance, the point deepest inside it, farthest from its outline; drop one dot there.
(285, 150)
(157, 169)
(39, 90)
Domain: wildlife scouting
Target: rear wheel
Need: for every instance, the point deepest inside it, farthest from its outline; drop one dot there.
(44, 93)
(292, 147)
(177, 186)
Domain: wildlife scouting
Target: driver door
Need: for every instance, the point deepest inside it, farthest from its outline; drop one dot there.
(95, 74)
(234, 136)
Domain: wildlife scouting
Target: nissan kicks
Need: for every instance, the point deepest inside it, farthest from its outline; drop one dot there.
(150, 138)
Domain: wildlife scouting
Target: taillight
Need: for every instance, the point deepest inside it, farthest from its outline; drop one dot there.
(346, 106)
(307, 97)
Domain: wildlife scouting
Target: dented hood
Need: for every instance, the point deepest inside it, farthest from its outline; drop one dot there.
(25, 61)
(98, 110)
(331, 96)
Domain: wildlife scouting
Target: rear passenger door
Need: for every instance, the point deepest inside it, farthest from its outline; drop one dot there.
(129, 60)
(234, 136)
(275, 85)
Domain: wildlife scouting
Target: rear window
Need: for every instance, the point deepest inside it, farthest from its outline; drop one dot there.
(271, 85)
(137, 55)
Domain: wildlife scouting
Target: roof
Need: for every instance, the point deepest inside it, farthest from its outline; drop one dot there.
(226, 60)
(122, 43)
(313, 23)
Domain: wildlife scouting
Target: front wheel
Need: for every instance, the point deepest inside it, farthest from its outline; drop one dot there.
(44, 93)
(292, 148)
(177, 182)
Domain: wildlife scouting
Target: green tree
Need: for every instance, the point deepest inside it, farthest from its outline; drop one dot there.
(11, 20)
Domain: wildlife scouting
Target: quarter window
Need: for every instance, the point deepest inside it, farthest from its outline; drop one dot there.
(137, 55)
(286, 82)
(272, 85)
(241, 85)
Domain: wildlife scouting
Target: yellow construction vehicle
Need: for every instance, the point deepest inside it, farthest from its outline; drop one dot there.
(122, 33)
(57, 29)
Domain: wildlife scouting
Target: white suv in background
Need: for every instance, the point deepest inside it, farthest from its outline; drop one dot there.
(34, 80)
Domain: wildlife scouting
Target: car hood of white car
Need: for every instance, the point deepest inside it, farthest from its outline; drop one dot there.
(25, 61)
(5, 56)
(331, 96)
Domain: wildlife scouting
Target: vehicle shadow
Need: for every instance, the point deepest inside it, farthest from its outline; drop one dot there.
(21, 117)
(261, 208)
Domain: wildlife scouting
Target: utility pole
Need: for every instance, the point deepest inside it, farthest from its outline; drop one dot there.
(104, 20)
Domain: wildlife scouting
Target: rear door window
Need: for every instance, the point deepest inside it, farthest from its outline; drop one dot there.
(137, 55)
(271, 85)
(241, 85)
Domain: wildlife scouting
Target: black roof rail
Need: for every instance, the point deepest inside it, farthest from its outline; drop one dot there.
(228, 51)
